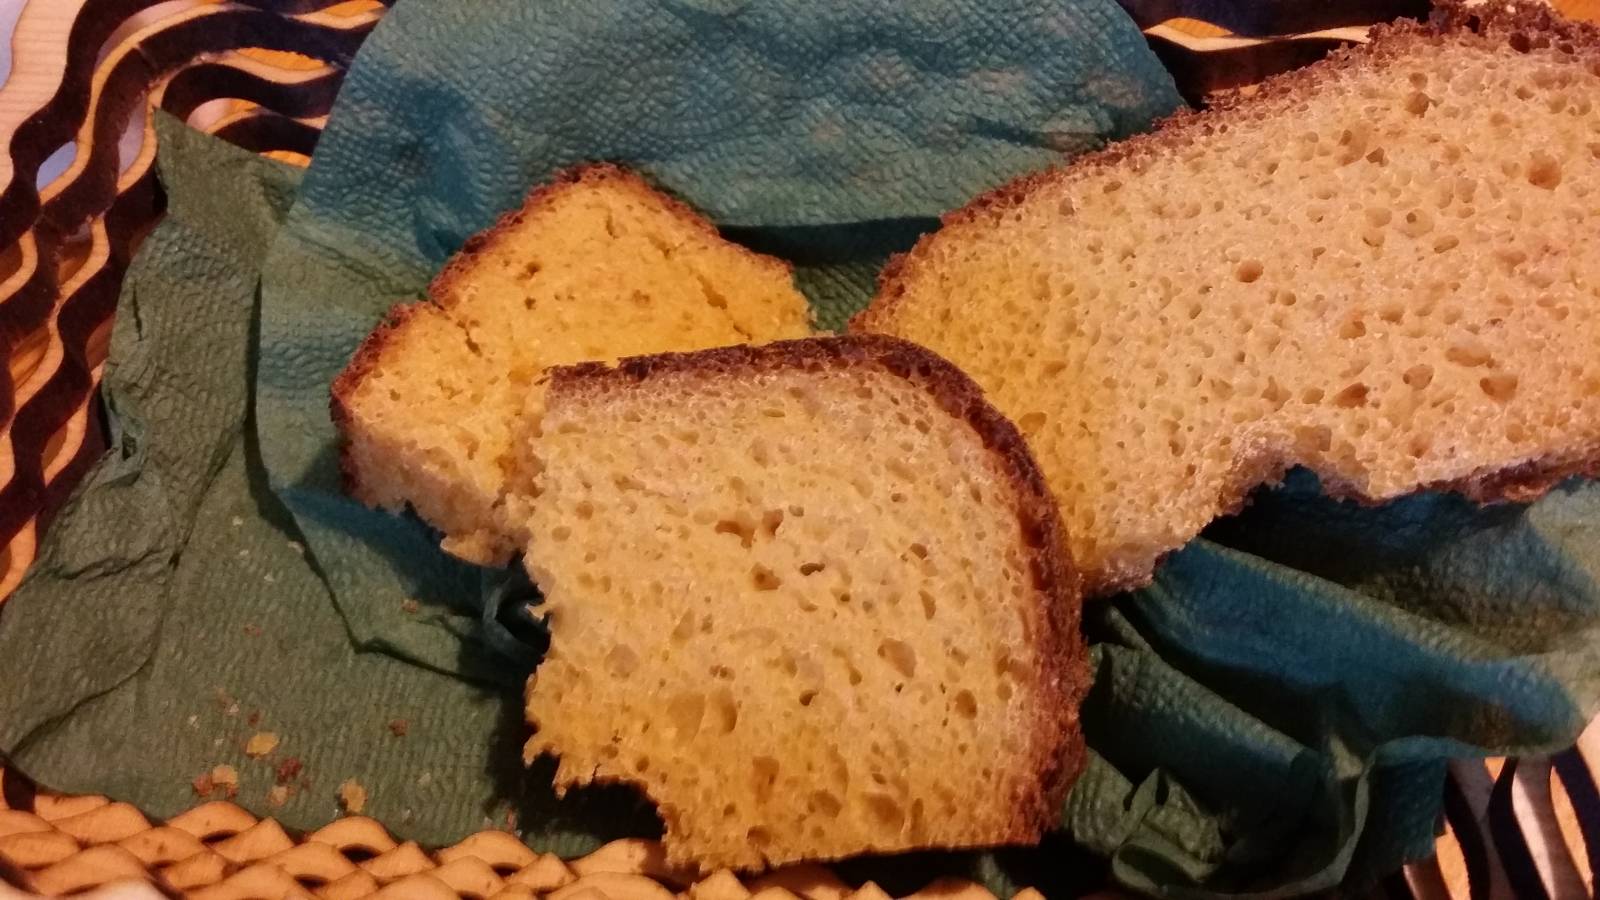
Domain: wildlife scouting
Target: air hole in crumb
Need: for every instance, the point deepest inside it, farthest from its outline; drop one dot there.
(929, 606)
(1418, 377)
(824, 803)
(966, 704)
(806, 697)
(684, 713)
(811, 568)
(622, 661)
(887, 812)
(1248, 271)
(1316, 438)
(724, 711)
(1500, 387)
(1416, 223)
(1352, 396)
(763, 777)
(899, 655)
(1275, 393)
(764, 579)
(1544, 171)
(684, 629)
(1468, 355)
(740, 528)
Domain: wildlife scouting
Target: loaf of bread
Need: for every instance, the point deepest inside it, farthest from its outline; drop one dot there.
(595, 266)
(810, 597)
(1380, 267)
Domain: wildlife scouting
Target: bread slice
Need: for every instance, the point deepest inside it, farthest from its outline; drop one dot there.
(1379, 267)
(810, 597)
(595, 266)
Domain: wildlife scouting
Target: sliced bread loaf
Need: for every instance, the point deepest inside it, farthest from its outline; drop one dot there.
(595, 266)
(1379, 266)
(809, 596)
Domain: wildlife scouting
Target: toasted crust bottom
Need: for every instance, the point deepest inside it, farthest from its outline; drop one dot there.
(1520, 25)
(1058, 751)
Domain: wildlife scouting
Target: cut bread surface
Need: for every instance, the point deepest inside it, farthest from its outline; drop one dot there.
(595, 266)
(1379, 266)
(810, 597)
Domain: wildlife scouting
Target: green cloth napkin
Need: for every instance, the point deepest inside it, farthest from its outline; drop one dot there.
(1265, 728)
(174, 611)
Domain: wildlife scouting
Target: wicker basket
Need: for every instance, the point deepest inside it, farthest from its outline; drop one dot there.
(263, 74)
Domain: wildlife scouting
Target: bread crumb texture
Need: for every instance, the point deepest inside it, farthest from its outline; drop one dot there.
(1377, 266)
(809, 597)
(596, 266)
(260, 744)
(352, 796)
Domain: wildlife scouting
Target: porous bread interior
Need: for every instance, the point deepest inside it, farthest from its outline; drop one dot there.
(796, 608)
(1380, 269)
(597, 267)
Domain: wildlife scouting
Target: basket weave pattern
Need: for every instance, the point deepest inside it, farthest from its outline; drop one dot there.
(219, 851)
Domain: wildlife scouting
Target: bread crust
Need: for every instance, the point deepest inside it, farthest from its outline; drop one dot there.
(341, 394)
(442, 290)
(1520, 25)
(1057, 750)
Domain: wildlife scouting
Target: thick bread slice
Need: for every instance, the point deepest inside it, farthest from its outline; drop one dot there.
(595, 266)
(809, 596)
(1381, 266)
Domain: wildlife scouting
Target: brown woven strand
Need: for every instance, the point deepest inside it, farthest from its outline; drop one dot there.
(219, 850)
(57, 295)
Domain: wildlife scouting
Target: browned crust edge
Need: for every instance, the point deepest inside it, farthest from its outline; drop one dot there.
(341, 394)
(442, 289)
(1059, 752)
(1522, 26)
